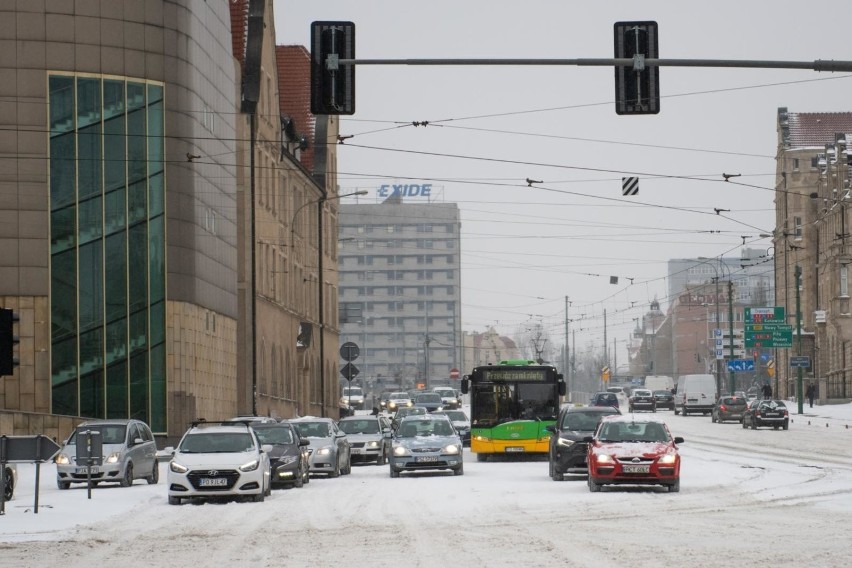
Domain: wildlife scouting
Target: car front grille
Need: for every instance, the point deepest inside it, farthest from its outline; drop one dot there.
(231, 475)
(425, 450)
(357, 444)
(634, 461)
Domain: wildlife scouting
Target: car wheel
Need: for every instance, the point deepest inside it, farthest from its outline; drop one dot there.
(557, 476)
(481, 457)
(348, 469)
(459, 470)
(383, 458)
(260, 497)
(154, 478)
(394, 473)
(594, 487)
(786, 426)
(300, 480)
(336, 471)
(675, 411)
(753, 425)
(685, 413)
(675, 487)
(307, 476)
(775, 426)
(8, 488)
(712, 418)
(127, 480)
(63, 485)
(174, 500)
(744, 424)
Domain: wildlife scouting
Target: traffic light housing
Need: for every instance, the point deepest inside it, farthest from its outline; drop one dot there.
(332, 84)
(8, 340)
(637, 88)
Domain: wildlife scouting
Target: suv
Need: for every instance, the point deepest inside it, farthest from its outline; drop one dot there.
(329, 447)
(567, 452)
(728, 408)
(219, 459)
(426, 442)
(369, 437)
(288, 460)
(129, 453)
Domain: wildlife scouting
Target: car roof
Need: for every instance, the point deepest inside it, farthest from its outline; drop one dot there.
(360, 417)
(426, 418)
(116, 421)
(592, 409)
(311, 419)
(630, 418)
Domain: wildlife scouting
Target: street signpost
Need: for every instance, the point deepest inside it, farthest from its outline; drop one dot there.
(802, 361)
(349, 351)
(768, 336)
(741, 365)
(25, 449)
(774, 314)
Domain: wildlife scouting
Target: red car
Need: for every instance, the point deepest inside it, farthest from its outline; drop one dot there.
(628, 450)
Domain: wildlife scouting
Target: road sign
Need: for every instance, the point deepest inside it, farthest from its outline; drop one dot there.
(771, 335)
(800, 361)
(720, 354)
(27, 449)
(349, 351)
(741, 365)
(454, 373)
(349, 371)
(774, 314)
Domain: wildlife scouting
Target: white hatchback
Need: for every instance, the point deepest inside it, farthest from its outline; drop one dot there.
(219, 459)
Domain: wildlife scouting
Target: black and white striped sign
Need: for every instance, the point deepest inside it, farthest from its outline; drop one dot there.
(630, 186)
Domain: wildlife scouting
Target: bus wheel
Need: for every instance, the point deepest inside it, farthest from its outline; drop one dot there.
(481, 457)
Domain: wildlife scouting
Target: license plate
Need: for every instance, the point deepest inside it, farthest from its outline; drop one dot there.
(213, 482)
(356, 451)
(771, 415)
(636, 468)
(514, 449)
(426, 459)
(84, 470)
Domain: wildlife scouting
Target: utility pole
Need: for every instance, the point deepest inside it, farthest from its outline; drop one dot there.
(606, 355)
(799, 389)
(731, 385)
(565, 351)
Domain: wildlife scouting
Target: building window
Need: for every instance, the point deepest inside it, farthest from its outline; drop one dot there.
(797, 228)
(795, 164)
(844, 281)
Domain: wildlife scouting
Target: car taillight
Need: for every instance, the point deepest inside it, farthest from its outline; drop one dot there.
(723, 408)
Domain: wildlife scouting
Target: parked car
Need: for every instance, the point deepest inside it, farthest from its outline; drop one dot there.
(427, 442)
(664, 398)
(129, 452)
(448, 397)
(604, 399)
(219, 459)
(461, 423)
(399, 400)
(728, 408)
(568, 452)
(772, 413)
(431, 401)
(369, 437)
(629, 450)
(330, 453)
(642, 399)
(9, 481)
(253, 419)
(288, 459)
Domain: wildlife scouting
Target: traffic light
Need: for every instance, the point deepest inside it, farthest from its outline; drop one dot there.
(637, 88)
(8, 340)
(332, 84)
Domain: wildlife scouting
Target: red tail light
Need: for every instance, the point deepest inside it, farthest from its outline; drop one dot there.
(723, 408)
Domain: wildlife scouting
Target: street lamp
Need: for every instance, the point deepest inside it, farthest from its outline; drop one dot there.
(320, 314)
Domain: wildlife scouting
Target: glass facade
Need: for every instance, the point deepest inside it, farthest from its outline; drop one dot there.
(107, 261)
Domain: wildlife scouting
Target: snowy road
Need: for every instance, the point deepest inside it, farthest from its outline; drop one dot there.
(745, 494)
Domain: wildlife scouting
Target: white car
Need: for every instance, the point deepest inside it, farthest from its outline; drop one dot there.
(448, 397)
(398, 400)
(219, 459)
(352, 397)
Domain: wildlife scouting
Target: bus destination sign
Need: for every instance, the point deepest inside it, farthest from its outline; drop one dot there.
(500, 375)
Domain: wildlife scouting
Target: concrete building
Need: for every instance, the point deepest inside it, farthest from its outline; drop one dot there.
(812, 236)
(129, 198)
(400, 291)
(487, 348)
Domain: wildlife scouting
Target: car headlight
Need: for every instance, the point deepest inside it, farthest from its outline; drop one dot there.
(113, 457)
(667, 459)
(250, 466)
(372, 444)
(604, 459)
(451, 449)
(565, 442)
(409, 404)
(62, 459)
(401, 451)
(324, 451)
(440, 408)
(177, 468)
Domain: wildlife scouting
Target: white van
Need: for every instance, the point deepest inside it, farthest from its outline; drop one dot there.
(659, 382)
(695, 393)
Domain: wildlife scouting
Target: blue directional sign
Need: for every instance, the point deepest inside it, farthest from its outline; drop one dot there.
(741, 365)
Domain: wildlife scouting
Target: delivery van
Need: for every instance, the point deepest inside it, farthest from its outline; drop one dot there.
(659, 382)
(695, 393)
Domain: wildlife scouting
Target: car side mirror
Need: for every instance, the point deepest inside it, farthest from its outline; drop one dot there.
(678, 440)
(267, 448)
(551, 428)
(304, 443)
(137, 441)
(589, 439)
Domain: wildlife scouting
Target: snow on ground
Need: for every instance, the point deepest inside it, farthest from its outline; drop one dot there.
(745, 495)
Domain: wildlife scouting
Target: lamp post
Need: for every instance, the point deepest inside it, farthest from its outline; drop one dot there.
(320, 314)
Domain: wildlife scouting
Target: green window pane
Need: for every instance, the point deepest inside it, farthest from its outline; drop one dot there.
(115, 205)
(137, 147)
(88, 102)
(63, 296)
(92, 394)
(137, 203)
(156, 195)
(116, 341)
(115, 276)
(63, 227)
(115, 141)
(61, 104)
(158, 388)
(89, 162)
(62, 171)
(64, 377)
(135, 95)
(91, 287)
(117, 388)
(90, 221)
(137, 247)
(139, 386)
(138, 332)
(157, 256)
(158, 323)
(114, 104)
(155, 129)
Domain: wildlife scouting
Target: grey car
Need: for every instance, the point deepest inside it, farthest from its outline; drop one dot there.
(426, 442)
(329, 447)
(369, 437)
(431, 401)
(729, 408)
(129, 453)
(460, 422)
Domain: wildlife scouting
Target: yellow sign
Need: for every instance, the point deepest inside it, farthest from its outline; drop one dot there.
(605, 374)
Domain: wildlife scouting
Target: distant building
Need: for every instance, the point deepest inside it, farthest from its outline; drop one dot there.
(487, 348)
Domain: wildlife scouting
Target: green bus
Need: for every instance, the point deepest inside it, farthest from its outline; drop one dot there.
(511, 405)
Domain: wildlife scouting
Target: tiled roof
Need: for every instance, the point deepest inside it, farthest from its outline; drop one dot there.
(239, 28)
(812, 129)
(294, 94)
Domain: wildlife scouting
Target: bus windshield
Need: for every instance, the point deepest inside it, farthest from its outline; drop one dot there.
(496, 403)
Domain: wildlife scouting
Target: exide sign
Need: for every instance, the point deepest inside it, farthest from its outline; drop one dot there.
(406, 190)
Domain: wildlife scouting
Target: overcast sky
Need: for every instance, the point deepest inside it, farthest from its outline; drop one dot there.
(524, 249)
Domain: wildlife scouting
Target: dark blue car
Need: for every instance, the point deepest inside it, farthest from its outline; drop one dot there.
(604, 399)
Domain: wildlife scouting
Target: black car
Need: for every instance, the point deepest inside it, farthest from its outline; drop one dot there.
(767, 413)
(567, 453)
(431, 401)
(288, 460)
(642, 399)
(664, 398)
(604, 399)
(728, 408)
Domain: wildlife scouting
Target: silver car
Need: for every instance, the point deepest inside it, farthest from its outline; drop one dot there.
(460, 422)
(329, 447)
(369, 437)
(128, 453)
(427, 442)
